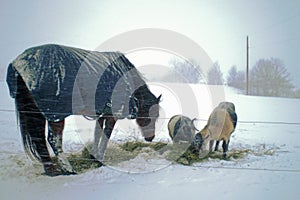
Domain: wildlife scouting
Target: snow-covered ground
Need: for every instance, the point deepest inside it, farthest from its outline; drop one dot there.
(270, 170)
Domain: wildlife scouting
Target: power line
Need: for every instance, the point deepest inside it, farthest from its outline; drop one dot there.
(278, 42)
(197, 119)
(280, 22)
(261, 122)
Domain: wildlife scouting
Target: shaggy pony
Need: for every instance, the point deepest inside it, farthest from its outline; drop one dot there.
(221, 124)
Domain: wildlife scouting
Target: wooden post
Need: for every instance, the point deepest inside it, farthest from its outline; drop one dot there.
(247, 66)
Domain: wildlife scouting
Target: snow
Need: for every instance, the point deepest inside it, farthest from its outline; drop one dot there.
(271, 169)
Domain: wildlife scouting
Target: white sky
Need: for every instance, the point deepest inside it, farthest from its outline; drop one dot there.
(220, 27)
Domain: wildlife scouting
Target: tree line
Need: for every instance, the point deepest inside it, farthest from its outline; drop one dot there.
(268, 77)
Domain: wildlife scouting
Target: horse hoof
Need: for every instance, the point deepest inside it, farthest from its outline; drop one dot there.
(100, 164)
(51, 170)
(69, 173)
(92, 157)
(225, 156)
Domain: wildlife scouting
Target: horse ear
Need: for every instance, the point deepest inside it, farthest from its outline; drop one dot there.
(158, 99)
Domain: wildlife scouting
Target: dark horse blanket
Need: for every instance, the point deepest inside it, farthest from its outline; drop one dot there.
(64, 81)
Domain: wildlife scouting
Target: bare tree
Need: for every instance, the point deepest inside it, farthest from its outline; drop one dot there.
(269, 77)
(214, 75)
(297, 94)
(236, 78)
(188, 70)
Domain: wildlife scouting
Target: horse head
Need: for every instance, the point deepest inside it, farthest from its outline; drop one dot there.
(147, 112)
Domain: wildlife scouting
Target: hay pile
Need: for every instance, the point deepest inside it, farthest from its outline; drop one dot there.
(175, 153)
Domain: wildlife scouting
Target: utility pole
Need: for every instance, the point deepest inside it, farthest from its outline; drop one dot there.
(247, 66)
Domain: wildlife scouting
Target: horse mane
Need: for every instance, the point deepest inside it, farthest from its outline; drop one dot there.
(142, 90)
(145, 94)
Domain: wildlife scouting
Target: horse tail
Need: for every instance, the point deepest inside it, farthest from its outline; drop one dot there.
(28, 146)
(31, 124)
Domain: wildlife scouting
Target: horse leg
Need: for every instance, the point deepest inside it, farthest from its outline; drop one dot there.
(55, 131)
(109, 125)
(97, 135)
(55, 135)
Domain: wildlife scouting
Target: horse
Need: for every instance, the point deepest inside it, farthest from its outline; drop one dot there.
(42, 80)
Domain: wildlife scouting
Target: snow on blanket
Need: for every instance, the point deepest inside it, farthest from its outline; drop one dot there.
(65, 80)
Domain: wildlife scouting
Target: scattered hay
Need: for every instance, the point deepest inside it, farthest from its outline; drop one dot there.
(189, 157)
(137, 146)
(179, 153)
(81, 162)
(115, 154)
(183, 154)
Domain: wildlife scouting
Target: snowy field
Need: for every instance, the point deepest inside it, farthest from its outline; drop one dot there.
(270, 170)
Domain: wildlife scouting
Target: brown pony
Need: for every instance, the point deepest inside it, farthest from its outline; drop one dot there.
(221, 124)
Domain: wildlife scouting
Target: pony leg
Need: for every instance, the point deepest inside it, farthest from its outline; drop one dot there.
(217, 145)
(211, 144)
(109, 125)
(225, 147)
(204, 151)
(55, 134)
